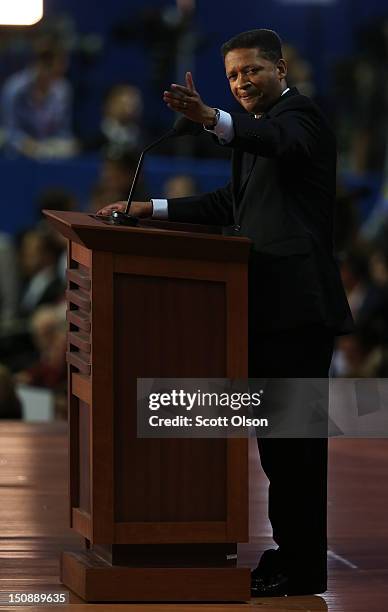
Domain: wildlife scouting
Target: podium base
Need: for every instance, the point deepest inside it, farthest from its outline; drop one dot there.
(94, 579)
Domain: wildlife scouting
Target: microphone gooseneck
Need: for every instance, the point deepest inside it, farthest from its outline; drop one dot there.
(181, 127)
(169, 134)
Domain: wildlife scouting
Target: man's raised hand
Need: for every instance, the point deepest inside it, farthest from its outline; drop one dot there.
(186, 100)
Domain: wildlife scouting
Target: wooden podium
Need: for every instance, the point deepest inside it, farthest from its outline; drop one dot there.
(161, 518)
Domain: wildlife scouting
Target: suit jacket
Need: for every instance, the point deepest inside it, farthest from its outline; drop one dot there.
(281, 196)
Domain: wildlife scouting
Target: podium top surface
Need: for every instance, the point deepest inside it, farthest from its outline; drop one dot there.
(150, 237)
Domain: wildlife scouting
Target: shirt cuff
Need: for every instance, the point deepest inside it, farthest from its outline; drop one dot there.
(224, 129)
(160, 209)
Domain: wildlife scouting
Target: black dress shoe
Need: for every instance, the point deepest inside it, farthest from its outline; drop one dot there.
(275, 585)
(279, 584)
(270, 578)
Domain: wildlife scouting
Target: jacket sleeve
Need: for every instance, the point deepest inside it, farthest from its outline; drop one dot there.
(214, 208)
(290, 132)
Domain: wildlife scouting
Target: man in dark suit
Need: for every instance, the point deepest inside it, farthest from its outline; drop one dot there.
(281, 196)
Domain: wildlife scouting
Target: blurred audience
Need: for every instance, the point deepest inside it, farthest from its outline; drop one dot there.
(121, 129)
(117, 173)
(347, 218)
(365, 277)
(361, 100)
(9, 275)
(300, 72)
(361, 355)
(33, 347)
(101, 194)
(10, 405)
(356, 279)
(48, 328)
(37, 106)
(180, 186)
(376, 225)
(169, 35)
(38, 263)
(56, 199)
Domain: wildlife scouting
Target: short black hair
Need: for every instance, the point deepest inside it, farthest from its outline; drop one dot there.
(267, 41)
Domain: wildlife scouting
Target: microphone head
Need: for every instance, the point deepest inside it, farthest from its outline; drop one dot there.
(186, 127)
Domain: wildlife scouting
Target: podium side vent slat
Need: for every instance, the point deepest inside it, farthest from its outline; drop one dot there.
(78, 318)
(79, 278)
(79, 297)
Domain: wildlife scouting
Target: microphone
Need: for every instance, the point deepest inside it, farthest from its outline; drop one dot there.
(181, 127)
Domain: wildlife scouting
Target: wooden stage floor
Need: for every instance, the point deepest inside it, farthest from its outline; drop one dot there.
(34, 514)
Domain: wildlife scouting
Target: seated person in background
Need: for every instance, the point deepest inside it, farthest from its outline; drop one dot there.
(121, 127)
(56, 199)
(38, 261)
(363, 354)
(100, 194)
(117, 172)
(10, 406)
(180, 186)
(41, 284)
(8, 282)
(48, 326)
(37, 107)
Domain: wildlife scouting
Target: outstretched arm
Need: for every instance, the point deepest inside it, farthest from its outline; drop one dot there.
(214, 208)
(293, 132)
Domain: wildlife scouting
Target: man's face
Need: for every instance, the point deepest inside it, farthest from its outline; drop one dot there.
(255, 82)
